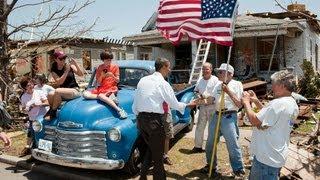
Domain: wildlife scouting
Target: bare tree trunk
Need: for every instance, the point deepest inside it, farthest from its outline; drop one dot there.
(4, 60)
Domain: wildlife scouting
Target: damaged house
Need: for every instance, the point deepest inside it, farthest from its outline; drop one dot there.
(35, 57)
(294, 36)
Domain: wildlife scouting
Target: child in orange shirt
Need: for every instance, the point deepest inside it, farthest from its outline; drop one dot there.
(107, 75)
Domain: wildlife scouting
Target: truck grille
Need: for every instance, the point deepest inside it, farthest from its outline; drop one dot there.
(83, 144)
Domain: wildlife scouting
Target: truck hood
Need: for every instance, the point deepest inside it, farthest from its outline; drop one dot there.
(83, 114)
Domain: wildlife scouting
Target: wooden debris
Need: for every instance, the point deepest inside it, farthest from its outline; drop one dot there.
(259, 87)
(301, 164)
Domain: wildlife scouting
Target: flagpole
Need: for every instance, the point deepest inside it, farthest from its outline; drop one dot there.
(222, 102)
(217, 127)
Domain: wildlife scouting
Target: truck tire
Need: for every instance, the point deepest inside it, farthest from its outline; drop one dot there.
(133, 166)
(190, 126)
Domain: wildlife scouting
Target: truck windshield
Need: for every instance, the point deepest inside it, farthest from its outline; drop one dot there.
(128, 77)
(131, 77)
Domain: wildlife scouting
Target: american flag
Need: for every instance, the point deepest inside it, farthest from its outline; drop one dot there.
(211, 20)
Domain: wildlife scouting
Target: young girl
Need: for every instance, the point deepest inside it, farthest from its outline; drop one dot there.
(40, 81)
(34, 103)
(107, 76)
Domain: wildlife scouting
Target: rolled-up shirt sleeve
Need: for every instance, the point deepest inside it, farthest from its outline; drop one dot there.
(170, 98)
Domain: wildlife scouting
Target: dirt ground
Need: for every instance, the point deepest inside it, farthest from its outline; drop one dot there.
(18, 143)
(186, 164)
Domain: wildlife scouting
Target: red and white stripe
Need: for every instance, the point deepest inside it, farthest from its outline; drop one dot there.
(183, 17)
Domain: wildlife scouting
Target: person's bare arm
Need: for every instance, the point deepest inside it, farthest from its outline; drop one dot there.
(255, 100)
(110, 74)
(75, 67)
(233, 96)
(250, 113)
(6, 139)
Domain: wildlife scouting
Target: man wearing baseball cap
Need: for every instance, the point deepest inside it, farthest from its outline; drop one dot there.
(229, 128)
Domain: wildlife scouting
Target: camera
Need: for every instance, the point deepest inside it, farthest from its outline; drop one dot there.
(105, 70)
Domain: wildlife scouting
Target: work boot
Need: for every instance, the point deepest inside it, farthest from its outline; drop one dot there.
(166, 160)
(25, 151)
(197, 150)
(51, 114)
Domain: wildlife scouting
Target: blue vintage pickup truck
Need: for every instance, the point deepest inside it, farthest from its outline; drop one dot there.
(89, 134)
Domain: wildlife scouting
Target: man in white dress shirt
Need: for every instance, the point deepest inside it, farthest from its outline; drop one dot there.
(272, 126)
(229, 127)
(204, 87)
(151, 92)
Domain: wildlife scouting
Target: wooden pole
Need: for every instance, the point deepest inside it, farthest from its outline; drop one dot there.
(217, 127)
(273, 49)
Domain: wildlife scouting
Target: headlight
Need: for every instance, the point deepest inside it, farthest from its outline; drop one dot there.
(36, 126)
(114, 134)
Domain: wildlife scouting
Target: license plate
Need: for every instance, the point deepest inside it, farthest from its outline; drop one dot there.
(45, 145)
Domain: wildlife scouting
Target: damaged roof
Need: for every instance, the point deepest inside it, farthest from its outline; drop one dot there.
(71, 41)
(293, 15)
(246, 26)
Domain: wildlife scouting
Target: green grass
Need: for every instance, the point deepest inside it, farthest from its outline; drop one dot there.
(306, 127)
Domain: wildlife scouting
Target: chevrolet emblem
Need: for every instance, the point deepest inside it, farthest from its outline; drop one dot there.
(70, 124)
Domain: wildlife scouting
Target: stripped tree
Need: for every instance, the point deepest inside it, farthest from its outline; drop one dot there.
(51, 20)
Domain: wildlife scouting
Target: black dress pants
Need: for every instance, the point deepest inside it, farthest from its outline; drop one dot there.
(151, 128)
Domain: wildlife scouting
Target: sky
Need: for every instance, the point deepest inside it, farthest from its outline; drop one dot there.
(119, 18)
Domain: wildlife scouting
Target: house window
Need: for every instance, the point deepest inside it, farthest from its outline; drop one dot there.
(144, 56)
(86, 59)
(264, 53)
(123, 55)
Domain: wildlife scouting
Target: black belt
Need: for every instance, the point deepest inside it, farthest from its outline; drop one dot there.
(149, 114)
(227, 112)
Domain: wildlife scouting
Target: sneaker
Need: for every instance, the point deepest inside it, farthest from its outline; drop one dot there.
(197, 150)
(205, 170)
(25, 151)
(239, 174)
(167, 160)
(122, 113)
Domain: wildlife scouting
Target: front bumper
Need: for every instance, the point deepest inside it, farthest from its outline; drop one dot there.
(85, 163)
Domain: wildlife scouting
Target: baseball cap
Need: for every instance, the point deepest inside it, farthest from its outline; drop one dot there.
(223, 67)
(59, 54)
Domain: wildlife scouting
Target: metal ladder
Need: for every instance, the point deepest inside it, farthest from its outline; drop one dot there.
(201, 58)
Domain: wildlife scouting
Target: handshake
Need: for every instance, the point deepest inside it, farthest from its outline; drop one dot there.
(203, 99)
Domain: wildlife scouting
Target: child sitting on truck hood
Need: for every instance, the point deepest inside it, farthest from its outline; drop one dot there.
(107, 76)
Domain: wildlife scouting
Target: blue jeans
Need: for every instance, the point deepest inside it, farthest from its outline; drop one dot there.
(230, 131)
(260, 171)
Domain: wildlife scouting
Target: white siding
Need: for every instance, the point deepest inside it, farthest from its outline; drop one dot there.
(302, 47)
(165, 51)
